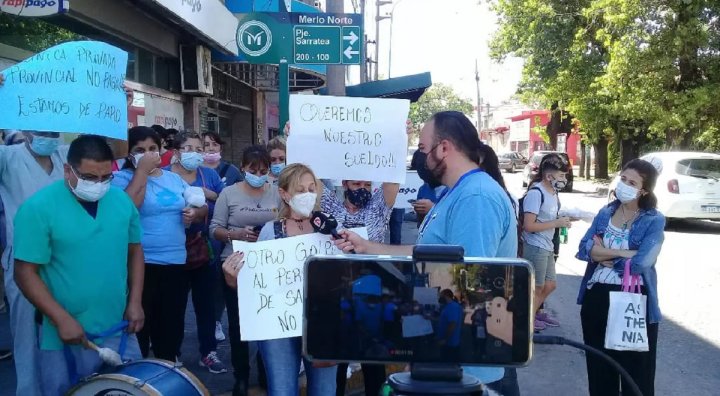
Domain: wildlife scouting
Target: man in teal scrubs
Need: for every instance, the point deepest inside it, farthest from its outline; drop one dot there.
(79, 262)
(475, 211)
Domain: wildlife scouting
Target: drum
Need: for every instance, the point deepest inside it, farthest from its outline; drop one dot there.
(148, 377)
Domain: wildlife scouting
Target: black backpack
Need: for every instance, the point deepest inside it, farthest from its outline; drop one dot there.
(521, 221)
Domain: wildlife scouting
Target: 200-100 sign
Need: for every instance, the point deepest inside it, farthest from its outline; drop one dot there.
(305, 57)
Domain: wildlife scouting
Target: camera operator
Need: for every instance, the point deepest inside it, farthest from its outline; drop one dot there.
(475, 211)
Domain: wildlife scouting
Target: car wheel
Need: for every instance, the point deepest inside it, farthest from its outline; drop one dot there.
(512, 168)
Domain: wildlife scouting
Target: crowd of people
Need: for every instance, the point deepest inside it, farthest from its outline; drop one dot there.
(101, 251)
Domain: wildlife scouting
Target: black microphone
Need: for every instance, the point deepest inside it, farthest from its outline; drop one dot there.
(326, 224)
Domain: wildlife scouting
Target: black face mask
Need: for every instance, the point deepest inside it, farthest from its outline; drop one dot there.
(359, 198)
(424, 173)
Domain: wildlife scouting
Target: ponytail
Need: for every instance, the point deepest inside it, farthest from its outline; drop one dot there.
(491, 165)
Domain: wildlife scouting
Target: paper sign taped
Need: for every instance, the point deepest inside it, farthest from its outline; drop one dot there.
(349, 138)
(271, 286)
(75, 87)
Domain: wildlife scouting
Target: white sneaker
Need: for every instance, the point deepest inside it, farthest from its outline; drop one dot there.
(219, 335)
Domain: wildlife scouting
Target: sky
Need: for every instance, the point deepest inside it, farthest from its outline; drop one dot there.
(444, 37)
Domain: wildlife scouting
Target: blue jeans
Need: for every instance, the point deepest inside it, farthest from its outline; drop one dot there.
(282, 365)
(54, 367)
(396, 221)
(24, 332)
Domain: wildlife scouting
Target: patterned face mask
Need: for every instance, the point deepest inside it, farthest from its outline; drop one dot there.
(359, 198)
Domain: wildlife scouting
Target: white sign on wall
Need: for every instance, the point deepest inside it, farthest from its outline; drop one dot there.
(271, 285)
(520, 131)
(349, 138)
(164, 112)
(34, 8)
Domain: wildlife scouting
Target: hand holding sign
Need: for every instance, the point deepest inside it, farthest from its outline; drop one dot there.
(74, 87)
(349, 138)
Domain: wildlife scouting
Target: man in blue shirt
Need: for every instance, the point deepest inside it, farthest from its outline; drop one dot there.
(475, 212)
(450, 326)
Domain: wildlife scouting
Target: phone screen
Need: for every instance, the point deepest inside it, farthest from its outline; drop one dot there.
(367, 309)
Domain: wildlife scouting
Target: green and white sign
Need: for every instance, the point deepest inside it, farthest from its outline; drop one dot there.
(300, 38)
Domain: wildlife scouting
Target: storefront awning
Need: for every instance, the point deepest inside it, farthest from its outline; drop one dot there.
(407, 87)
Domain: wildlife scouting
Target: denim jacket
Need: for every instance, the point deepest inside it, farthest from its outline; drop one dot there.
(647, 234)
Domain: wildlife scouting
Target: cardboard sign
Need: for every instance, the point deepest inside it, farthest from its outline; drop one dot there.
(349, 138)
(271, 288)
(75, 87)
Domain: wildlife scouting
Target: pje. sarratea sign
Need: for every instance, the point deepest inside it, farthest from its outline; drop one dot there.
(349, 138)
(271, 284)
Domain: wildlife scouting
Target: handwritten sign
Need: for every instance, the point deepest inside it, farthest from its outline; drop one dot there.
(349, 138)
(271, 284)
(75, 87)
(408, 190)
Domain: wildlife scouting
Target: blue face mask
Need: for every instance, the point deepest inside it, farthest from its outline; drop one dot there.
(191, 161)
(255, 181)
(276, 169)
(44, 146)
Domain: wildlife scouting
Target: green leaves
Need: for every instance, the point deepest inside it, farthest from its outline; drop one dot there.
(437, 98)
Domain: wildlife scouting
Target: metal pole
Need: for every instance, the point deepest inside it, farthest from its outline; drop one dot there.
(392, 18)
(377, 40)
(363, 59)
(336, 73)
(284, 100)
(479, 100)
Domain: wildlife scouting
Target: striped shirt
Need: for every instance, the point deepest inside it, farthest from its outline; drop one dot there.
(614, 238)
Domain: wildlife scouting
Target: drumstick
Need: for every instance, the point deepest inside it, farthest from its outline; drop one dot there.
(107, 355)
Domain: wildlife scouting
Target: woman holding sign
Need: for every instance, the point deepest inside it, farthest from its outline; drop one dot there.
(629, 228)
(300, 191)
(240, 212)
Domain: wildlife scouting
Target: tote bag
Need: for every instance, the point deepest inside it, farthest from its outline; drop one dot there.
(627, 324)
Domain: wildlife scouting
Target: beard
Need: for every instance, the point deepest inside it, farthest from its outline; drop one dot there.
(440, 167)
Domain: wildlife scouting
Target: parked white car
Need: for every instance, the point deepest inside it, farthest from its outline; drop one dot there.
(688, 186)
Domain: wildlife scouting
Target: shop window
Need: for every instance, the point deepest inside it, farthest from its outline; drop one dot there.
(132, 64)
(146, 67)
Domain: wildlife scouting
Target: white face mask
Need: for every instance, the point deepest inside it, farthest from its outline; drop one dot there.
(90, 191)
(137, 158)
(303, 204)
(626, 193)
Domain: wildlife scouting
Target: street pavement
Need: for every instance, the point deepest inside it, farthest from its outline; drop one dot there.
(688, 360)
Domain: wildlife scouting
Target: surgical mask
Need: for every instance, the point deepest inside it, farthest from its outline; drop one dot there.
(277, 168)
(44, 146)
(136, 158)
(212, 158)
(359, 198)
(191, 161)
(303, 204)
(255, 181)
(90, 191)
(626, 193)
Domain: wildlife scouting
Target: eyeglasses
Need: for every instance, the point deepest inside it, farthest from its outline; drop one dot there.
(92, 178)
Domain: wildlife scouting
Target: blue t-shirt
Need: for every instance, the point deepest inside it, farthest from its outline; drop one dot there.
(477, 215)
(163, 238)
(369, 316)
(231, 174)
(452, 312)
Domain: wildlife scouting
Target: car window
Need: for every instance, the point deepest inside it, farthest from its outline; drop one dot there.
(699, 167)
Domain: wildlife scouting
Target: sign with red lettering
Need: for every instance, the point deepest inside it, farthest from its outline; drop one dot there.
(34, 8)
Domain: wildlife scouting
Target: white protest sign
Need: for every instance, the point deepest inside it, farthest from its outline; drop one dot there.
(426, 295)
(408, 191)
(271, 287)
(349, 138)
(415, 326)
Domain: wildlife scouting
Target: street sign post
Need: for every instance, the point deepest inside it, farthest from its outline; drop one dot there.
(300, 38)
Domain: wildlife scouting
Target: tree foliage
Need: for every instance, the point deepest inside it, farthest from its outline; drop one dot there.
(637, 73)
(439, 97)
(32, 34)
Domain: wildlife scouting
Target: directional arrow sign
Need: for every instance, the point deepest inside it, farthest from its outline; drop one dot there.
(352, 38)
(349, 53)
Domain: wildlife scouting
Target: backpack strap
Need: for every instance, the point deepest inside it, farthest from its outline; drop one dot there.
(223, 170)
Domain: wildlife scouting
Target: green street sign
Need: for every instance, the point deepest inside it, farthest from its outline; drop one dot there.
(300, 38)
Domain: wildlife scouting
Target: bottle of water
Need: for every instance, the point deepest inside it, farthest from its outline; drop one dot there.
(563, 235)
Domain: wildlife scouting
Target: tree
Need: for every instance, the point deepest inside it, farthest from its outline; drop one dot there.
(439, 97)
(32, 34)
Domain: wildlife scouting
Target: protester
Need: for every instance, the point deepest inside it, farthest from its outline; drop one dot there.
(166, 145)
(25, 169)
(431, 190)
(277, 147)
(229, 173)
(159, 196)
(628, 228)
(201, 275)
(450, 325)
(541, 223)
(475, 212)
(12, 137)
(57, 269)
(240, 212)
(299, 190)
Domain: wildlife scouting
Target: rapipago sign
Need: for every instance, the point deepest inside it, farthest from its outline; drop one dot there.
(300, 38)
(34, 8)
